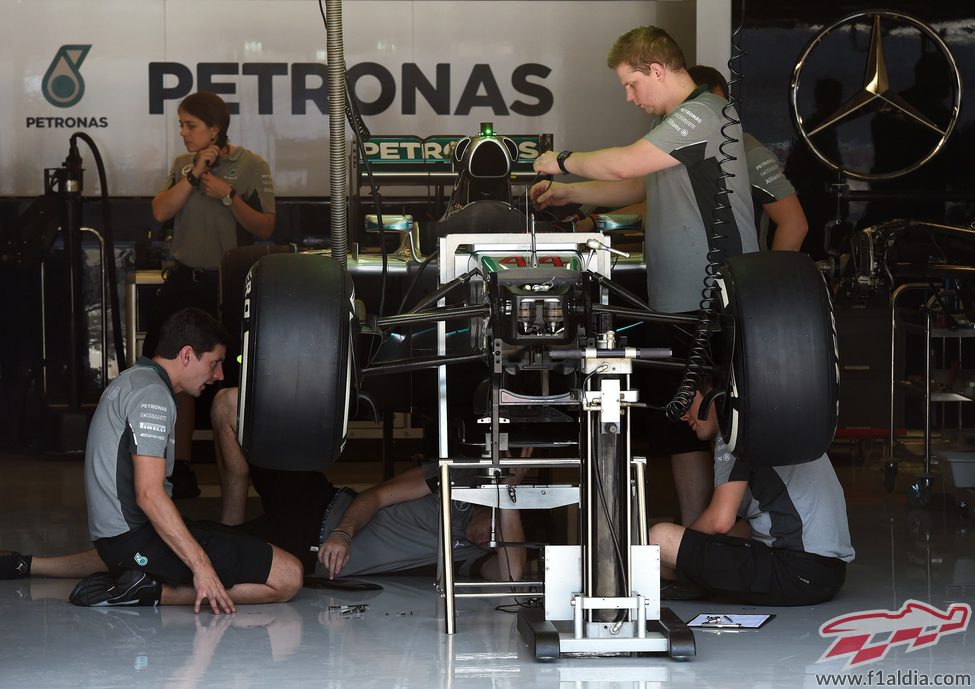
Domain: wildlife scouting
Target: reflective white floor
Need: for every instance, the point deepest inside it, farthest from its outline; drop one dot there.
(902, 554)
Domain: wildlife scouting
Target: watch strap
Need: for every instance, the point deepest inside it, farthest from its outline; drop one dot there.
(560, 159)
(192, 179)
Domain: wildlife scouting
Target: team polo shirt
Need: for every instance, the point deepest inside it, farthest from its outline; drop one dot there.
(406, 535)
(681, 200)
(796, 507)
(205, 229)
(769, 183)
(135, 416)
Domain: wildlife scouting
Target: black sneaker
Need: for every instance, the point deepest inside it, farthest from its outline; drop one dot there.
(14, 565)
(675, 590)
(131, 588)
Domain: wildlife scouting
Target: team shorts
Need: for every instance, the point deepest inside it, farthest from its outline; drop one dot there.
(294, 503)
(236, 557)
(753, 573)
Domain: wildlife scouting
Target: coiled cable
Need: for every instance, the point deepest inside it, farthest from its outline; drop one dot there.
(699, 356)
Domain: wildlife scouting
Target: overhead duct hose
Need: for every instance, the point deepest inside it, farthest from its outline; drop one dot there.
(337, 161)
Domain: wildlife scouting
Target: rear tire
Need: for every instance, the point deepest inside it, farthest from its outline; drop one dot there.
(297, 366)
(782, 382)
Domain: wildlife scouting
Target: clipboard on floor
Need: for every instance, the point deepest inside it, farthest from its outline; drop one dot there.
(713, 620)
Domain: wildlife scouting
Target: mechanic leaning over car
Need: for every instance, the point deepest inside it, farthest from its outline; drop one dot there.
(674, 168)
(780, 221)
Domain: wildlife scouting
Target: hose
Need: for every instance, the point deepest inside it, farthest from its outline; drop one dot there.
(111, 270)
(337, 165)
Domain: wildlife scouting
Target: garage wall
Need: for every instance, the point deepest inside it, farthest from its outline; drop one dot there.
(117, 69)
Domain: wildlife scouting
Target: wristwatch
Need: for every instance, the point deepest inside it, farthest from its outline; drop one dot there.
(190, 177)
(560, 159)
(229, 198)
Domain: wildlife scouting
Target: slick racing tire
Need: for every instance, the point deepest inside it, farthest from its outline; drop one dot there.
(297, 365)
(233, 273)
(780, 359)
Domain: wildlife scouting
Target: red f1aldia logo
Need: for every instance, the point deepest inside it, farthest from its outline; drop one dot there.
(916, 624)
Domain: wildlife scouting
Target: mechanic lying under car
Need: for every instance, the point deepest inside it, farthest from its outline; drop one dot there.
(390, 527)
(770, 536)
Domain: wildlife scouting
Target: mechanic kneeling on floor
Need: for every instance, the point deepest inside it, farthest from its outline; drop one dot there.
(790, 545)
(152, 555)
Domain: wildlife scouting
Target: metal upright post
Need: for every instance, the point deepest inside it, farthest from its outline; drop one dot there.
(71, 177)
(446, 541)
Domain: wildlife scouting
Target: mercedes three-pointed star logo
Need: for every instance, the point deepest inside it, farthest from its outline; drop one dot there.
(876, 92)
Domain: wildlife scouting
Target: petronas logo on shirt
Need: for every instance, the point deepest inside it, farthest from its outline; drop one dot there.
(141, 559)
(63, 85)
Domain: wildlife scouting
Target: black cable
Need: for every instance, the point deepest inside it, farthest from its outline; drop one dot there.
(416, 279)
(532, 602)
(614, 537)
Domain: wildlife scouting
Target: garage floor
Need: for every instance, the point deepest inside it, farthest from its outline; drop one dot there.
(902, 553)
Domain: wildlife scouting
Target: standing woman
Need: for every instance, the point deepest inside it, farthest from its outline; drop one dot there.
(216, 194)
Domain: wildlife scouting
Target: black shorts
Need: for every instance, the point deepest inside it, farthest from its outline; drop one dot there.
(294, 505)
(236, 557)
(753, 573)
(657, 388)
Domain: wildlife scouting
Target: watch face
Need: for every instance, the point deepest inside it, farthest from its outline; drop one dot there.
(228, 199)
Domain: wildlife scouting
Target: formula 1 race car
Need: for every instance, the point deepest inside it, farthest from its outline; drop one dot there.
(518, 344)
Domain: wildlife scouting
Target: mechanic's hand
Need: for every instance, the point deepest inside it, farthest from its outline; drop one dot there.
(334, 553)
(208, 587)
(545, 194)
(205, 159)
(214, 186)
(547, 164)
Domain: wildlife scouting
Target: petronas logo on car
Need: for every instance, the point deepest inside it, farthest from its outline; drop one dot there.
(63, 85)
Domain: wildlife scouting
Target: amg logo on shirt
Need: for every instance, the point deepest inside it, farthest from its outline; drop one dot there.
(159, 428)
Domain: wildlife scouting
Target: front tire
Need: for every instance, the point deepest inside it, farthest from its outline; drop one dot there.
(297, 365)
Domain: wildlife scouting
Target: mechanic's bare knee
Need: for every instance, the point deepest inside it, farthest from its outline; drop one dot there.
(223, 410)
(286, 576)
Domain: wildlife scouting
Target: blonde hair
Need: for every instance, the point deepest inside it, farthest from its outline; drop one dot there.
(644, 45)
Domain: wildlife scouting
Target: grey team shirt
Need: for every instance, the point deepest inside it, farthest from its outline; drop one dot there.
(680, 203)
(204, 229)
(406, 535)
(769, 183)
(797, 507)
(135, 415)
